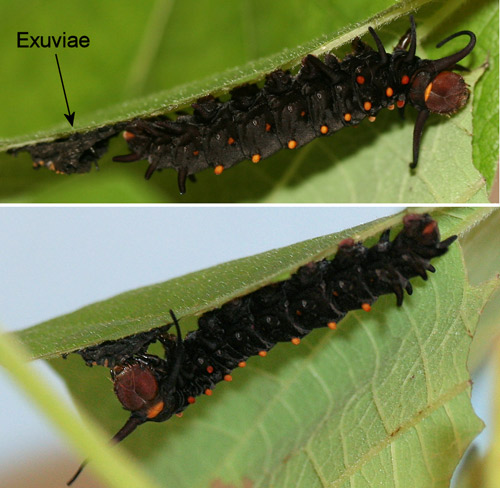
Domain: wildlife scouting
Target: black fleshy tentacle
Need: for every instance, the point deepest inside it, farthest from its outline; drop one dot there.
(410, 57)
(449, 61)
(418, 130)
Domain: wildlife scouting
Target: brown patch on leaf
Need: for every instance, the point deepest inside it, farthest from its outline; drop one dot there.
(247, 483)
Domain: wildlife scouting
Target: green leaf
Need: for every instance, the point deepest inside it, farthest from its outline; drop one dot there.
(383, 401)
(161, 48)
(482, 255)
(486, 96)
(190, 295)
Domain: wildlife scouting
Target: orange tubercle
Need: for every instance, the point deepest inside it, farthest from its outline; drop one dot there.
(367, 106)
(179, 414)
(210, 369)
(332, 325)
(405, 80)
(400, 103)
(303, 113)
(154, 410)
(228, 377)
(430, 228)
(128, 135)
(196, 153)
(255, 158)
(208, 392)
(390, 107)
(324, 129)
(268, 127)
(191, 399)
(230, 141)
(242, 364)
(427, 92)
(347, 117)
(295, 341)
(389, 92)
(262, 354)
(360, 79)
(292, 144)
(372, 118)
(218, 169)
(366, 307)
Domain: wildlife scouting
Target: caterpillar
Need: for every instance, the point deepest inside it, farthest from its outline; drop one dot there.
(288, 111)
(319, 294)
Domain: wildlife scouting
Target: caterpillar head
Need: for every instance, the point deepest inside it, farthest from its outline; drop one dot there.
(142, 390)
(436, 89)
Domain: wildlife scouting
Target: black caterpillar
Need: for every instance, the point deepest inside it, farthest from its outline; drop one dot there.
(287, 112)
(318, 295)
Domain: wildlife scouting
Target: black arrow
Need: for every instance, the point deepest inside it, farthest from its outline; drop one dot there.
(69, 116)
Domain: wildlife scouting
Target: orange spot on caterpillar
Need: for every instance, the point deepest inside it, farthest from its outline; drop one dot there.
(372, 118)
(366, 307)
(179, 414)
(154, 410)
(230, 141)
(128, 135)
(389, 92)
(242, 364)
(208, 392)
(298, 312)
(292, 144)
(360, 79)
(349, 242)
(195, 153)
(255, 158)
(400, 103)
(405, 79)
(210, 369)
(332, 325)
(262, 354)
(427, 92)
(347, 117)
(429, 228)
(335, 293)
(367, 106)
(228, 377)
(324, 129)
(303, 113)
(268, 127)
(390, 107)
(295, 341)
(191, 399)
(218, 169)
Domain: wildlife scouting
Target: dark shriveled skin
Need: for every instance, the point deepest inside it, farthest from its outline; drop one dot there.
(319, 294)
(287, 112)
